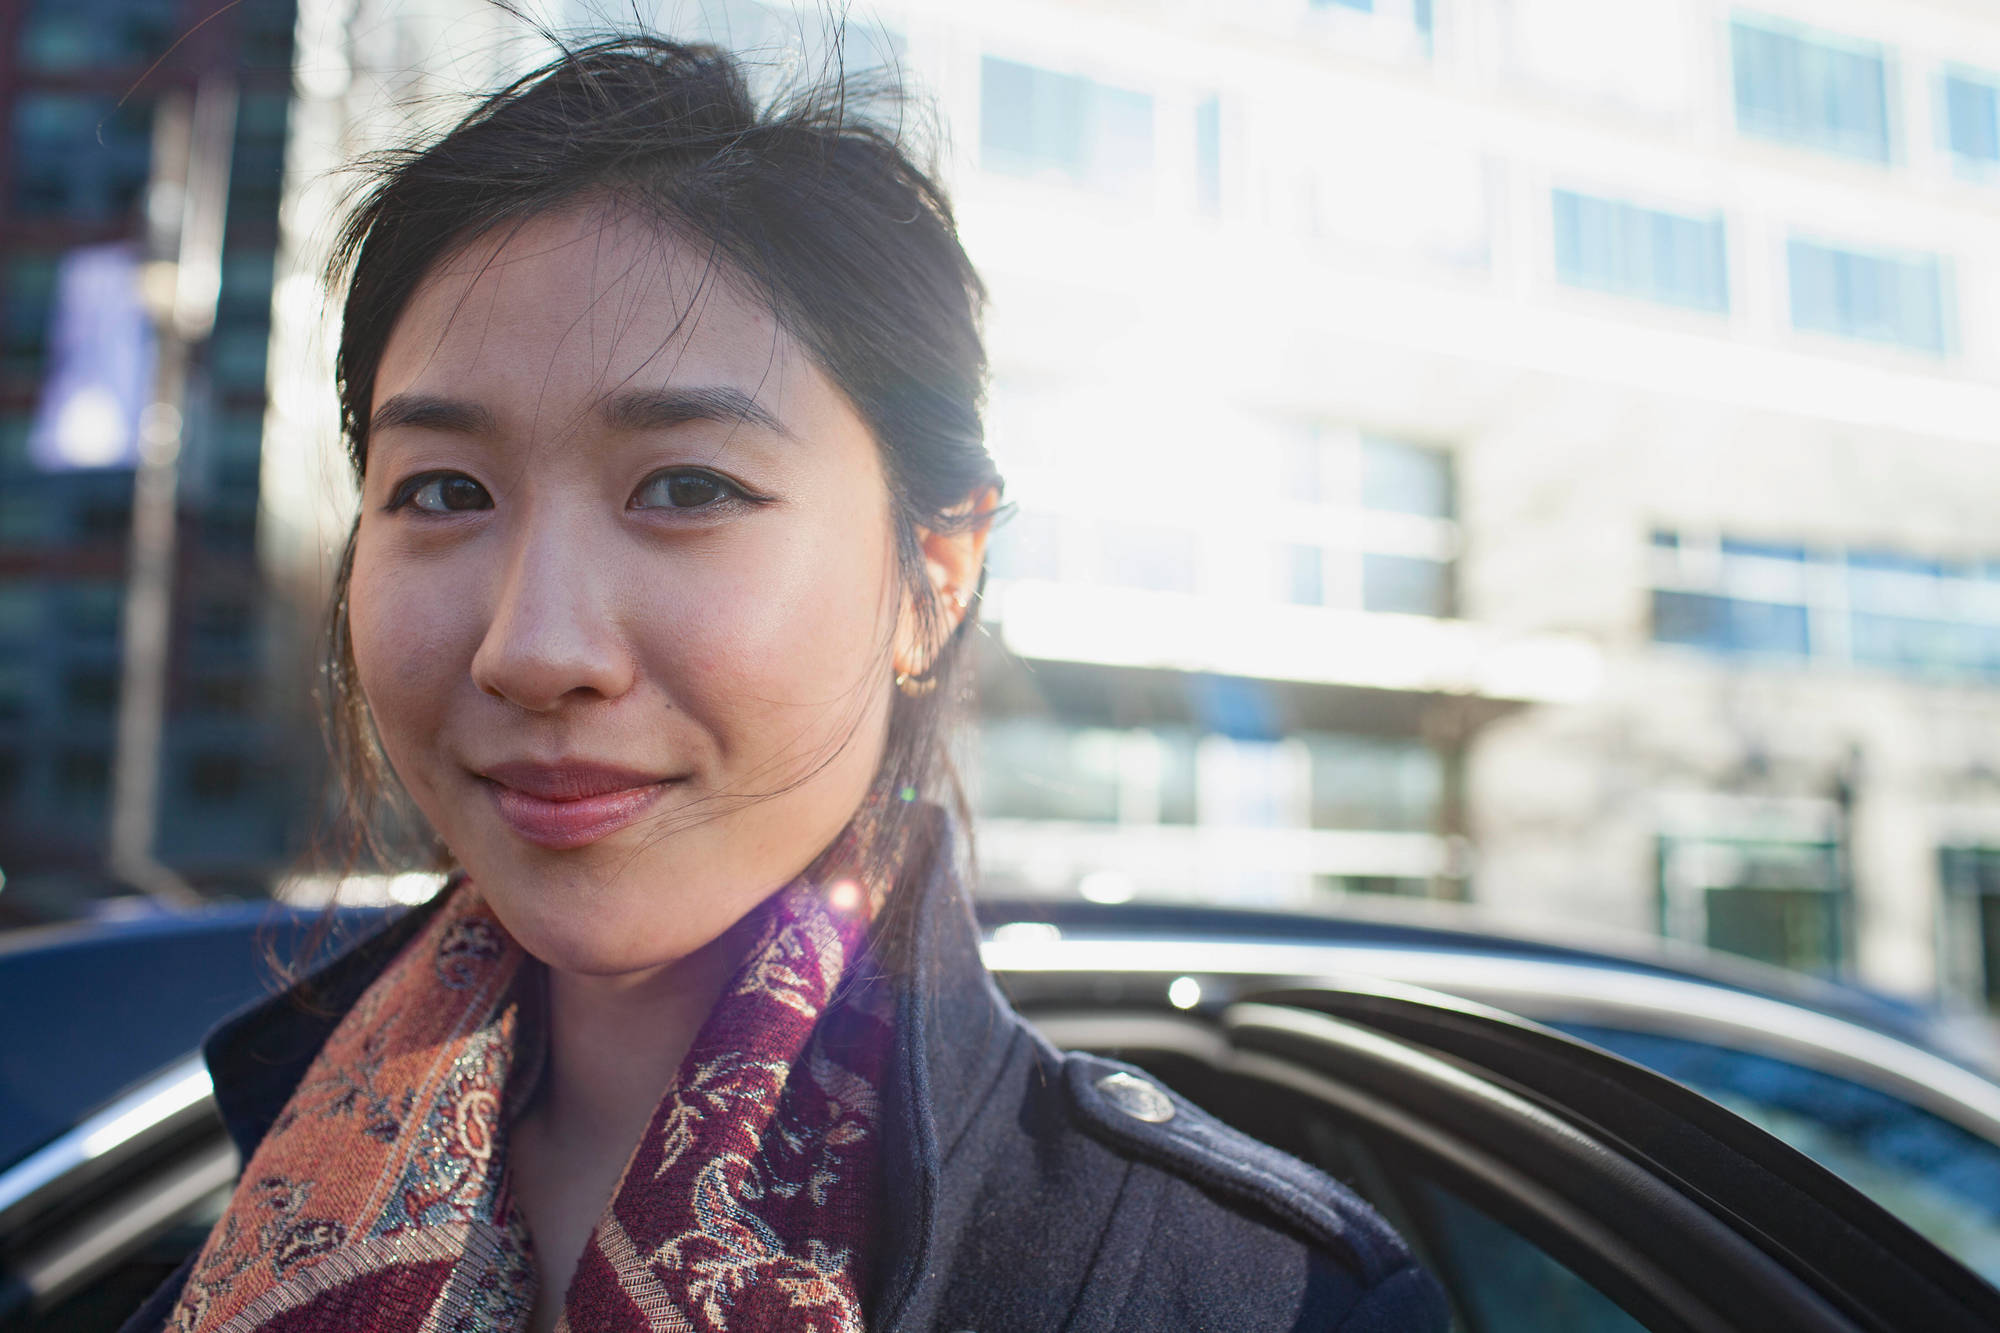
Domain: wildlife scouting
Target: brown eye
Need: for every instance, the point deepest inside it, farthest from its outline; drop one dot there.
(684, 489)
(446, 493)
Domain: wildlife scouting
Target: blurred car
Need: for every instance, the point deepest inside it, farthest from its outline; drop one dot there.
(1577, 1140)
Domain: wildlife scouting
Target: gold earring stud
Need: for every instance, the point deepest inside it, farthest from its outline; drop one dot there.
(915, 687)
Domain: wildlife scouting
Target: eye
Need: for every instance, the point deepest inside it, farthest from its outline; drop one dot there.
(441, 493)
(685, 488)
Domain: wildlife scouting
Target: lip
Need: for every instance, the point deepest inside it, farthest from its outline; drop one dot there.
(570, 804)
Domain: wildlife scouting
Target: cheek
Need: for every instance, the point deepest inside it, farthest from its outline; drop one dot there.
(405, 631)
(794, 634)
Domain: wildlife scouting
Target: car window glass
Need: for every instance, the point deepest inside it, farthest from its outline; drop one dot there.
(1502, 1281)
(1941, 1180)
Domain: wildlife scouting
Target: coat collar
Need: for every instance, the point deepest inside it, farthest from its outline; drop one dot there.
(954, 1036)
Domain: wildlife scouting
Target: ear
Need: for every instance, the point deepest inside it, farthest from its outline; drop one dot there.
(953, 559)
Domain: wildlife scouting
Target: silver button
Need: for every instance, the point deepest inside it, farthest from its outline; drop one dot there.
(1136, 1098)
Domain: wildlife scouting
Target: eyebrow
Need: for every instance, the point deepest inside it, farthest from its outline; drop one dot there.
(633, 410)
(428, 412)
(658, 409)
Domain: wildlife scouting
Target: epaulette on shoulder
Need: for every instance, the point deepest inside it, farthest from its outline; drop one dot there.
(1126, 1108)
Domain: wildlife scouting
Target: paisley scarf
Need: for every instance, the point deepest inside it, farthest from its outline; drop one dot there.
(379, 1198)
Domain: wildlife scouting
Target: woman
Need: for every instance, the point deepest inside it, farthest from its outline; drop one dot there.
(674, 501)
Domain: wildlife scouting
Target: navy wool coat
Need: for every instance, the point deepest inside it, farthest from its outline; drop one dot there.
(1024, 1189)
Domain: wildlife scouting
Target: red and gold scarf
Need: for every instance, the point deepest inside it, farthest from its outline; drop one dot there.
(379, 1201)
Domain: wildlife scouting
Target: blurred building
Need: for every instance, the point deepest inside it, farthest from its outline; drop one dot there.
(79, 82)
(1533, 451)
(1561, 426)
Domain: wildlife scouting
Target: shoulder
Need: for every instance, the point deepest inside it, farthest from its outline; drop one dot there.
(1232, 1207)
(1158, 1215)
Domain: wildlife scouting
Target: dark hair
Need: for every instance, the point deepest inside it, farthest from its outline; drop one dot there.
(817, 208)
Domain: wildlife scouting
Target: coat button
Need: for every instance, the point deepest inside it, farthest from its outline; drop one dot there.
(1136, 1098)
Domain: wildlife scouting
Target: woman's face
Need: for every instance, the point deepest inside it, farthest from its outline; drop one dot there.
(624, 602)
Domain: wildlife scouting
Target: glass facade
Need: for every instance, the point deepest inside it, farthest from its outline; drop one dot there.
(78, 144)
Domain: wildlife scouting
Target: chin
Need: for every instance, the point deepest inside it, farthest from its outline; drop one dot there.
(581, 923)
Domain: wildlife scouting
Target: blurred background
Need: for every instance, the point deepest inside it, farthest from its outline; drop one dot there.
(1534, 455)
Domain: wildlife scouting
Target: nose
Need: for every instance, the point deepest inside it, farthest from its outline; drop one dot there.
(554, 637)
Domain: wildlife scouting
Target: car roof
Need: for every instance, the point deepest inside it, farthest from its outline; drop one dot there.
(1449, 928)
(98, 1006)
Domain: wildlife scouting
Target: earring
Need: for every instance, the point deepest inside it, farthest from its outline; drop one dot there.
(915, 687)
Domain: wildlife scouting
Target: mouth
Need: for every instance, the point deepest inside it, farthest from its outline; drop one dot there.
(567, 805)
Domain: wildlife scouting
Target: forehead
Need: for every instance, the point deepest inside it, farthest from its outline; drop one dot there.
(572, 305)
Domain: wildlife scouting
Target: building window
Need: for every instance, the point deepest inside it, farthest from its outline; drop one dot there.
(1618, 247)
(229, 695)
(1304, 575)
(1902, 301)
(1042, 768)
(17, 689)
(83, 774)
(91, 608)
(1208, 156)
(1031, 768)
(1972, 118)
(1779, 902)
(76, 34)
(1405, 585)
(82, 158)
(20, 610)
(90, 690)
(25, 301)
(1368, 523)
(1812, 89)
(1400, 478)
(1912, 614)
(1731, 626)
(1972, 890)
(1063, 127)
(266, 33)
(1360, 782)
(217, 776)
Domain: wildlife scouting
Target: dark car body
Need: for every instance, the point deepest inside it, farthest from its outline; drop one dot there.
(1571, 1136)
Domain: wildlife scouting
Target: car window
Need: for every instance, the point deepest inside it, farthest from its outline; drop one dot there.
(1940, 1179)
(1499, 1280)
(1504, 1282)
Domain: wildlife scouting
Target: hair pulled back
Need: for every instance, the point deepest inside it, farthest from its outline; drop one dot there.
(806, 201)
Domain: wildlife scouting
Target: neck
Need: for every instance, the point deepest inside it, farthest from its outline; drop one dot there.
(614, 1043)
